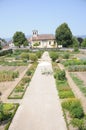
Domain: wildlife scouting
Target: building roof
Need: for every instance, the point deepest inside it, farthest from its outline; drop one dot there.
(42, 37)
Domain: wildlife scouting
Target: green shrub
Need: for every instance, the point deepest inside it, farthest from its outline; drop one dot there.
(80, 123)
(33, 57)
(66, 55)
(54, 56)
(25, 55)
(26, 80)
(74, 107)
(29, 72)
(61, 75)
(38, 54)
(66, 94)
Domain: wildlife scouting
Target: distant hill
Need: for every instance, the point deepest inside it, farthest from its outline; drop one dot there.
(82, 36)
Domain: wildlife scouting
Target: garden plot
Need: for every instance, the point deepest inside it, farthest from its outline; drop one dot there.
(8, 86)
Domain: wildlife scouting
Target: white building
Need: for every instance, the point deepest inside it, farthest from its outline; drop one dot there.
(42, 40)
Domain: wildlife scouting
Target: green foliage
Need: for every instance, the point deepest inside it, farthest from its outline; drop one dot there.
(5, 52)
(84, 43)
(19, 89)
(0, 46)
(25, 43)
(8, 75)
(8, 107)
(36, 44)
(26, 80)
(38, 54)
(74, 107)
(63, 35)
(29, 72)
(5, 113)
(74, 62)
(19, 39)
(61, 75)
(66, 55)
(33, 57)
(75, 44)
(78, 68)
(80, 123)
(54, 56)
(25, 55)
(66, 94)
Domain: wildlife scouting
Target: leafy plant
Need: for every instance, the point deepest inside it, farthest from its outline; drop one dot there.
(74, 107)
(33, 57)
(54, 56)
(80, 123)
(61, 75)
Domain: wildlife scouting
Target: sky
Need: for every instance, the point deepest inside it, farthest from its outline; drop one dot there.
(42, 15)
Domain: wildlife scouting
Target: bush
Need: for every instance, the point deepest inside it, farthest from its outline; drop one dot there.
(80, 123)
(25, 55)
(38, 54)
(54, 56)
(33, 57)
(61, 75)
(29, 72)
(66, 56)
(26, 80)
(74, 107)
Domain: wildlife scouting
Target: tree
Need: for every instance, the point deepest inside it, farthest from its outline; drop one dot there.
(80, 40)
(0, 46)
(63, 35)
(75, 44)
(25, 43)
(19, 39)
(84, 43)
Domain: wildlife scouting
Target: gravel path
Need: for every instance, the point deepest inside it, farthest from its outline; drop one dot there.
(40, 108)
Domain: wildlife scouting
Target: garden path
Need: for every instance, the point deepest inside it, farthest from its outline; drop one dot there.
(40, 108)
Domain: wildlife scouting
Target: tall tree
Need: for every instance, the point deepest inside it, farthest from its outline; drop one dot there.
(63, 35)
(84, 43)
(19, 39)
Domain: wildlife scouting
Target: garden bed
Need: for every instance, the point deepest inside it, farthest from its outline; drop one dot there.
(73, 111)
(20, 88)
(7, 112)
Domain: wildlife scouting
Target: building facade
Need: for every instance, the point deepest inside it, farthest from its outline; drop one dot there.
(42, 40)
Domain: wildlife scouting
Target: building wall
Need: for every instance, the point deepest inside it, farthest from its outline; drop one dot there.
(45, 44)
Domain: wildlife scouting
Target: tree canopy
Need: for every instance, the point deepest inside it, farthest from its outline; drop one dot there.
(84, 43)
(63, 35)
(19, 39)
